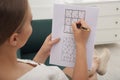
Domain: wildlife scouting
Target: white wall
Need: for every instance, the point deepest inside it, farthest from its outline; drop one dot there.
(41, 9)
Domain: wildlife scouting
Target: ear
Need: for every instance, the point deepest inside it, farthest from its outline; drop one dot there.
(14, 39)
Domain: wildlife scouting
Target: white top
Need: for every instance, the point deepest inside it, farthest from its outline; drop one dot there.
(43, 72)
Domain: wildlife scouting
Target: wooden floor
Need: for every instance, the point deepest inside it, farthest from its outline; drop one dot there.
(113, 72)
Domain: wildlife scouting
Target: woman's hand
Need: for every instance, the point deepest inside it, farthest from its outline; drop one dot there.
(80, 35)
(80, 70)
(47, 45)
(44, 52)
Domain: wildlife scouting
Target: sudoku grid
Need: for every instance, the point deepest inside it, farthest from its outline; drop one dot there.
(72, 16)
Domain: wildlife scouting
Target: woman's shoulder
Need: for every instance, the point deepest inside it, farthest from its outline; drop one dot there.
(43, 72)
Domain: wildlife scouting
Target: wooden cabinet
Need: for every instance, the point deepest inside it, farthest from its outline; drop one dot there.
(108, 30)
(108, 26)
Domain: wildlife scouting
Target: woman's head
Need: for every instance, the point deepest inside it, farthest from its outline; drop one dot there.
(13, 17)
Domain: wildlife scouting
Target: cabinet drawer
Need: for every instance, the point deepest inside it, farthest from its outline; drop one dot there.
(108, 22)
(107, 36)
(107, 8)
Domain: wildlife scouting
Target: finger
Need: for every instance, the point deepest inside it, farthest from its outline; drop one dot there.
(55, 41)
(74, 27)
(84, 24)
(49, 37)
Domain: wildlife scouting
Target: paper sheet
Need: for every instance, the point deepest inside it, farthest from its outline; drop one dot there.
(63, 53)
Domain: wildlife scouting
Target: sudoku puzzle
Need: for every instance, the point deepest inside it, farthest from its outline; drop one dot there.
(72, 16)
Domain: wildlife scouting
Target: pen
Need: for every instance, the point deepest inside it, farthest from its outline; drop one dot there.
(81, 27)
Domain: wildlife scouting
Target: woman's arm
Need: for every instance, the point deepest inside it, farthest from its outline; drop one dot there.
(44, 52)
(80, 71)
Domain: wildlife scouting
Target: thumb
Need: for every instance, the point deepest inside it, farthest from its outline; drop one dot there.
(55, 41)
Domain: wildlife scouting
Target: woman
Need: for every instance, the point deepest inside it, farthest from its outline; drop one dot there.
(15, 29)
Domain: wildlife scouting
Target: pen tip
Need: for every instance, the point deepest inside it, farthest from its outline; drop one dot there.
(78, 25)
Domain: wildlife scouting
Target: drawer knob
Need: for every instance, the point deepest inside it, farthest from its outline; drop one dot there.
(115, 35)
(116, 22)
(117, 9)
